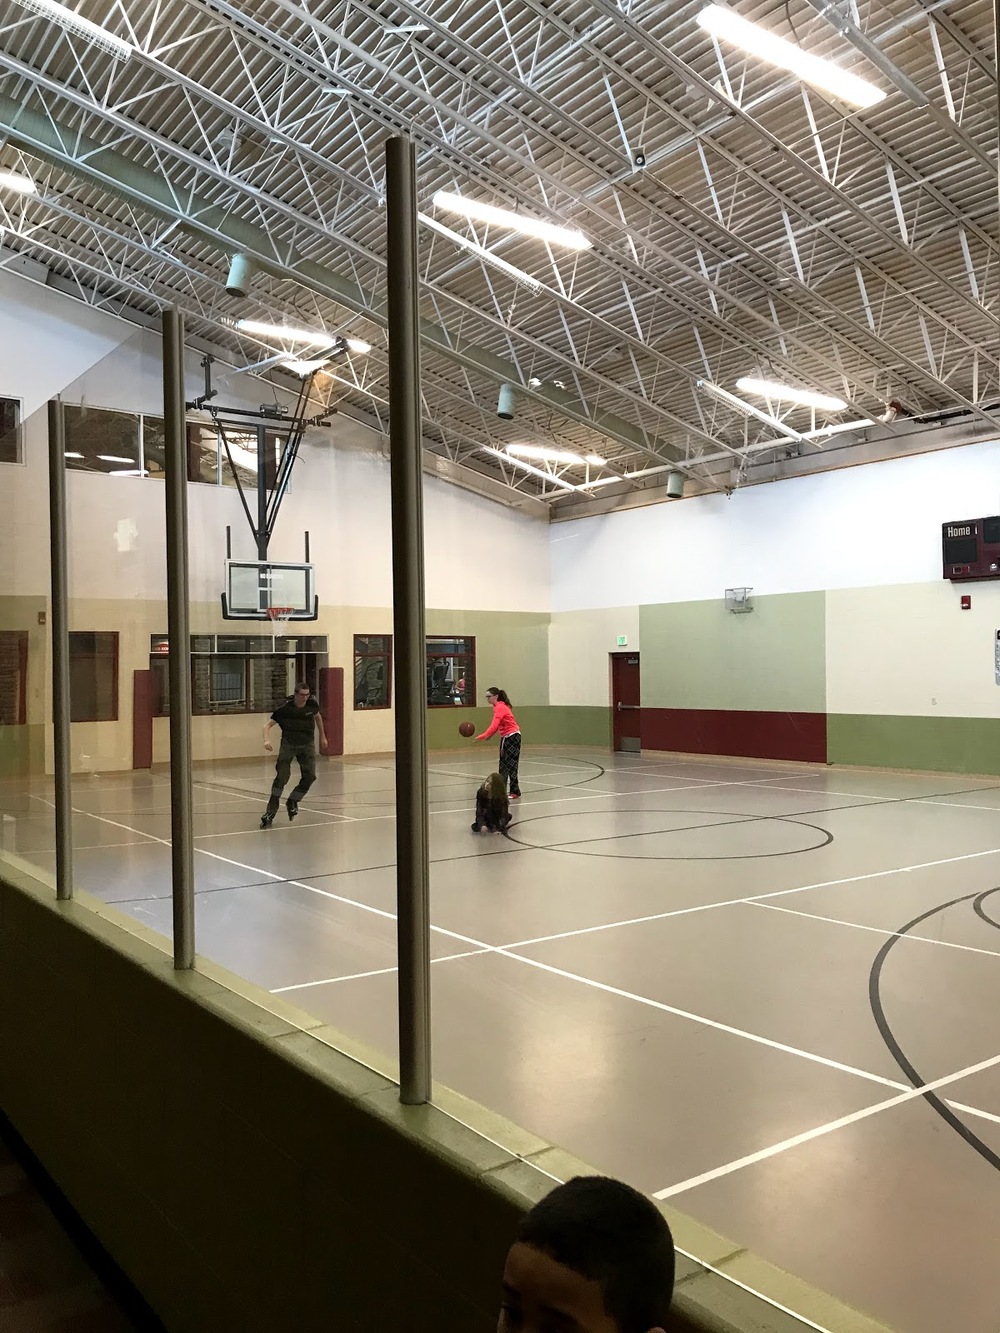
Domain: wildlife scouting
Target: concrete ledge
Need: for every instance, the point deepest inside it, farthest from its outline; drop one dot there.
(252, 1169)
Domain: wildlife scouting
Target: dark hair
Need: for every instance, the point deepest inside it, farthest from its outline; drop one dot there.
(613, 1235)
(303, 685)
(500, 694)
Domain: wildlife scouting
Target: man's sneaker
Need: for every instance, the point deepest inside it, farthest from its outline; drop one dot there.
(266, 821)
(292, 807)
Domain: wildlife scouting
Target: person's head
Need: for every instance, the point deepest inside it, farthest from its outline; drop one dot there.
(594, 1256)
(494, 693)
(495, 788)
(301, 695)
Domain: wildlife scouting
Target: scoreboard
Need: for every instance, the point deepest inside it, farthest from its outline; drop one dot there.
(970, 549)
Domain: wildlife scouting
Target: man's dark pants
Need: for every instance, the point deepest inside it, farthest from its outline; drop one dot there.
(305, 753)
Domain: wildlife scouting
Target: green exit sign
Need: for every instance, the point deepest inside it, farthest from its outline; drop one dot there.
(622, 640)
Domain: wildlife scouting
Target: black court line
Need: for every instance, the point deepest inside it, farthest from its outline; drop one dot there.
(570, 847)
(936, 1103)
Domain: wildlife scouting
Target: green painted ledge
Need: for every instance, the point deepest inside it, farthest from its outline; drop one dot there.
(542, 724)
(22, 751)
(940, 744)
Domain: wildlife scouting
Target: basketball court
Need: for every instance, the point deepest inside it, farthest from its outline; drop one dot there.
(763, 992)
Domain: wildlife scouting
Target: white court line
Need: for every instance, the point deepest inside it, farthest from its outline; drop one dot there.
(704, 1022)
(254, 800)
(589, 795)
(912, 1094)
(757, 897)
(877, 930)
(956, 805)
(376, 972)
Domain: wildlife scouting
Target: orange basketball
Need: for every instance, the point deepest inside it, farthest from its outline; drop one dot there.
(466, 729)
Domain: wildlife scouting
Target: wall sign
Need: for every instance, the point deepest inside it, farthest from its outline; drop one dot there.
(622, 640)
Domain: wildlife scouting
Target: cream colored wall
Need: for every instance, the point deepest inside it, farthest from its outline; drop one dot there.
(579, 644)
(910, 650)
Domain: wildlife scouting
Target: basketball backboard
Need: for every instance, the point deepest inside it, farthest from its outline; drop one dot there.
(254, 587)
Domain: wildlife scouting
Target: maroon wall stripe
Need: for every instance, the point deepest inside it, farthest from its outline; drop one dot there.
(143, 694)
(330, 696)
(750, 735)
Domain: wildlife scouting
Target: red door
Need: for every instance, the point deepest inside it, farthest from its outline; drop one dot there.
(625, 710)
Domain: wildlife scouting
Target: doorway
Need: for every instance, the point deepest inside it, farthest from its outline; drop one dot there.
(626, 712)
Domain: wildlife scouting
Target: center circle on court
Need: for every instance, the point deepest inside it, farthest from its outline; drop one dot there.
(593, 833)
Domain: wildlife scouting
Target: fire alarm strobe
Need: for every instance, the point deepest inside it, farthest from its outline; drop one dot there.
(970, 549)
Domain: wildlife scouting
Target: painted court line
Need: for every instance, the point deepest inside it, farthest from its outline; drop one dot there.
(376, 972)
(756, 897)
(911, 1094)
(704, 1022)
(876, 930)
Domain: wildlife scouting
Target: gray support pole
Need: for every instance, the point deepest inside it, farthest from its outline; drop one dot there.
(179, 632)
(61, 714)
(409, 647)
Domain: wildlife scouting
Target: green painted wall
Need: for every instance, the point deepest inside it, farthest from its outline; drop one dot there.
(512, 651)
(22, 751)
(943, 744)
(699, 655)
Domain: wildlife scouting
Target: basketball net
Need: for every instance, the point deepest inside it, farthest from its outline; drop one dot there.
(278, 615)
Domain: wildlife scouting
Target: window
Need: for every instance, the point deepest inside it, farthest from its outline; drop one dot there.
(98, 440)
(451, 672)
(10, 430)
(239, 673)
(13, 677)
(372, 670)
(209, 462)
(93, 676)
(229, 680)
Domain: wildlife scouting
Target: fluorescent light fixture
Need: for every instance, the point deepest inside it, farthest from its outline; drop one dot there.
(784, 393)
(358, 346)
(129, 472)
(730, 27)
(502, 217)
(303, 367)
(69, 455)
(76, 23)
(13, 180)
(487, 256)
(544, 454)
(529, 467)
(112, 458)
(747, 409)
(286, 331)
(595, 460)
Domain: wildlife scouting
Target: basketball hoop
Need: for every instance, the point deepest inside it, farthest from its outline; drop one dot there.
(278, 615)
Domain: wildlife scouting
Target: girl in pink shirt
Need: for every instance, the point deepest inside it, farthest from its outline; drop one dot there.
(505, 723)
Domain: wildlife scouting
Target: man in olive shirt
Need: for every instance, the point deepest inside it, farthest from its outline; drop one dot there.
(296, 717)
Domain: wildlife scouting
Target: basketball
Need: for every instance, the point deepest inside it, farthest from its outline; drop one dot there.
(466, 729)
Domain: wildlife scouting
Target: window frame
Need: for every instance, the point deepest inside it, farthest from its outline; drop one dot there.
(17, 431)
(20, 637)
(248, 655)
(468, 699)
(385, 657)
(115, 639)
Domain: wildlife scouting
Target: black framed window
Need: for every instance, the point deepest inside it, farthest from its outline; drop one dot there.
(13, 677)
(93, 676)
(451, 672)
(10, 431)
(100, 440)
(239, 673)
(372, 670)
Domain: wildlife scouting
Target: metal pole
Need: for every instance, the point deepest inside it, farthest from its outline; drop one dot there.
(409, 648)
(179, 633)
(61, 711)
